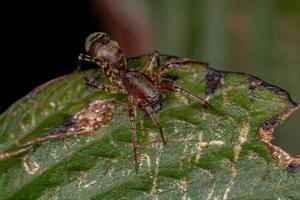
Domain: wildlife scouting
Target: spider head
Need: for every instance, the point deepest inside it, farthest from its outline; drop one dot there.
(102, 47)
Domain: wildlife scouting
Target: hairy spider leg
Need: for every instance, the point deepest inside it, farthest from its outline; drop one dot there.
(105, 87)
(104, 65)
(132, 119)
(156, 121)
(154, 59)
(171, 65)
(169, 86)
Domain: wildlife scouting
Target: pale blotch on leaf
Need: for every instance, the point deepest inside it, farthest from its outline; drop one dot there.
(30, 166)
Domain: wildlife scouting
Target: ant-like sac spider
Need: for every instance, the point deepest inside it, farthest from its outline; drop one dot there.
(142, 87)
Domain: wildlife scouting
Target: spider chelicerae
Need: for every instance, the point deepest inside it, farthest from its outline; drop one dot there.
(144, 88)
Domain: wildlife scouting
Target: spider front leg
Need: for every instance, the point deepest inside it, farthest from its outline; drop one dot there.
(92, 84)
(132, 119)
(154, 59)
(104, 65)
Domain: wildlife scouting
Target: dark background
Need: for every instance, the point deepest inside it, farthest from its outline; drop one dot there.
(41, 42)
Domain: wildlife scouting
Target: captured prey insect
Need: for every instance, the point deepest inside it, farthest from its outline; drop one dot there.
(144, 88)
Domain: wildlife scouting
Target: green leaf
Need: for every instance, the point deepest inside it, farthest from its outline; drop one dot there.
(208, 155)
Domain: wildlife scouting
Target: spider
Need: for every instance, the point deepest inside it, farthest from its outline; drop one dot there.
(143, 88)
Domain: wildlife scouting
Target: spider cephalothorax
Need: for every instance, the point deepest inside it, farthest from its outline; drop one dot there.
(142, 87)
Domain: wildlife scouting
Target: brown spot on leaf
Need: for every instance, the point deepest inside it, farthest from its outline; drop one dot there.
(212, 81)
(294, 166)
(282, 158)
(88, 120)
(266, 130)
(95, 115)
(254, 83)
(30, 166)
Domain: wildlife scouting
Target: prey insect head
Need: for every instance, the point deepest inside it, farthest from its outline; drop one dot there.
(102, 47)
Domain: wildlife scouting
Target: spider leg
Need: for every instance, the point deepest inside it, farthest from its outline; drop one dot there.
(169, 86)
(154, 59)
(92, 84)
(132, 119)
(112, 76)
(174, 64)
(103, 64)
(156, 121)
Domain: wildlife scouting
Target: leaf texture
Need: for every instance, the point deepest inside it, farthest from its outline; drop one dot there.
(209, 154)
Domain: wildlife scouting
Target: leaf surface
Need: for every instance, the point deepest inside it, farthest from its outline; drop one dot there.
(208, 155)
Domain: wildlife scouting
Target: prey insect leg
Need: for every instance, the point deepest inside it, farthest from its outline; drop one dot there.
(86, 58)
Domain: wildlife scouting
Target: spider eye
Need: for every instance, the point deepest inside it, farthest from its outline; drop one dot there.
(92, 38)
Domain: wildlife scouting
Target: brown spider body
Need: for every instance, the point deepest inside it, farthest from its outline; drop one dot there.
(142, 87)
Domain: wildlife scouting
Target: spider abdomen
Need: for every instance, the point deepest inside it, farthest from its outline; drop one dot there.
(143, 88)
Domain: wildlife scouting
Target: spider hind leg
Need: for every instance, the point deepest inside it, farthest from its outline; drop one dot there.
(169, 86)
(132, 119)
